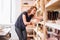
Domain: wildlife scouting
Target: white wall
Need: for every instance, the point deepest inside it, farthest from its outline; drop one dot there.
(5, 11)
(16, 10)
(9, 11)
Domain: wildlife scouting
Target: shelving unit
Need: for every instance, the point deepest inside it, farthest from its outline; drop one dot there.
(49, 5)
(53, 4)
(38, 34)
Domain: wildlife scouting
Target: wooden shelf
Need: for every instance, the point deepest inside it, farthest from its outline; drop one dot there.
(29, 28)
(53, 4)
(29, 35)
(41, 34)
(42, 22)
(39, 9)
(52, 33)
(51, 25)
(35, 38)
(26, 5)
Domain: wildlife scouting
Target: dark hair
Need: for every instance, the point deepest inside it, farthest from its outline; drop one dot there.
(32, 7)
